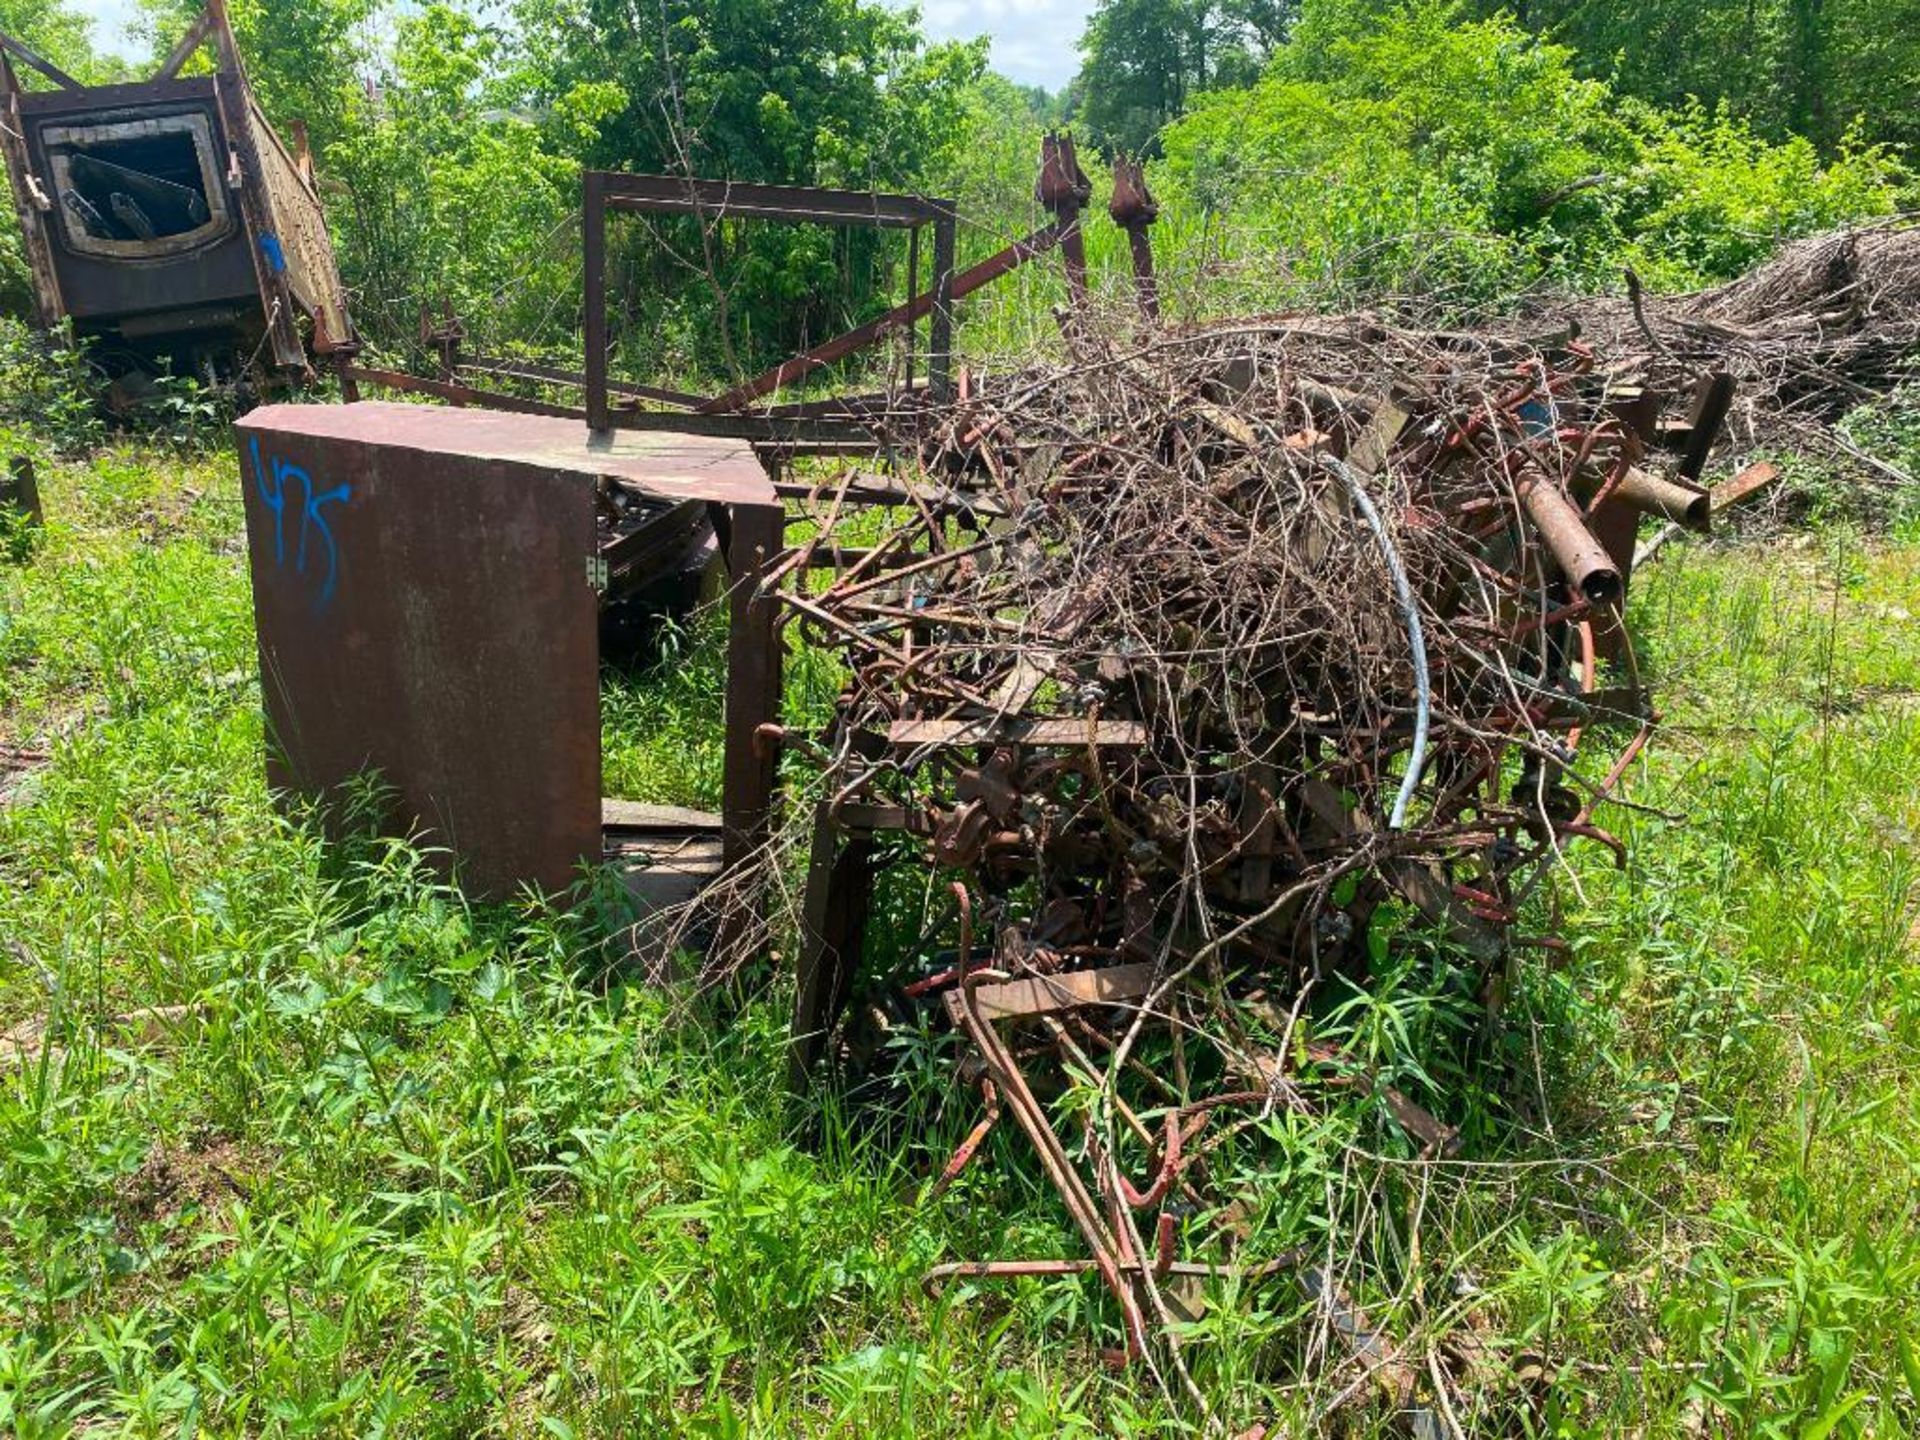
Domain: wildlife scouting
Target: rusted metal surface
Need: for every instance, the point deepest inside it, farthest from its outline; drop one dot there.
(1749, 482)
(32, 203)
(745, 200)
(1581, 558)
(1063, 190)
(167, 216)
(753, 541)
(672, 467)
(576, 379)
(908, 734)
(668, 854)
(426, 596)
(1134, 210)
(28, 56)
(1050, 994)
(1712, 403)
(454, 393)
(464, 676)
(1098, 789)
(1684, 505)
(832, 924)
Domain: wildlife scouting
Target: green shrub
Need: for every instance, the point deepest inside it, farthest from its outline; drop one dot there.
(47, 387)
(1415, 149)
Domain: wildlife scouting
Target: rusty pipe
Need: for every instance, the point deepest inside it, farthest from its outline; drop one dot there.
(1656, 495)
(1581, 558)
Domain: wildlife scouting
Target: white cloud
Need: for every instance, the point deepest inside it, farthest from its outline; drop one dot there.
(1033, 40)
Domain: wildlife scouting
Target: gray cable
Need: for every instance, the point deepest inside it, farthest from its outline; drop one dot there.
(1410, 612)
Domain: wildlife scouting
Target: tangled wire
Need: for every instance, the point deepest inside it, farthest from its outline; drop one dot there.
(1194, 667)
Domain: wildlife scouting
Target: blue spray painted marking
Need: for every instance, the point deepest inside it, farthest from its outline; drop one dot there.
(272, 486)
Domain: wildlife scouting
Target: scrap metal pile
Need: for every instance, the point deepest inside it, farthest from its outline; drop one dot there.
(1195, 668)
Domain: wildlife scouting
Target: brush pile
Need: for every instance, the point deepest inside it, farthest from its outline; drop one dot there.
(1192, 670)
(1830, 323)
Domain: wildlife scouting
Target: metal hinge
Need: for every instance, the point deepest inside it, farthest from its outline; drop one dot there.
(597, 574)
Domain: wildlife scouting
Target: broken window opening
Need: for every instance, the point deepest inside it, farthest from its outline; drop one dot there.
(138, 189)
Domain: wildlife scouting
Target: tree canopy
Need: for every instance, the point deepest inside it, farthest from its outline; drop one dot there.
(1463, 147)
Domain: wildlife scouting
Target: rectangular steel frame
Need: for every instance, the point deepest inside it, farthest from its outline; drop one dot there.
(468, 674)
(608, 192)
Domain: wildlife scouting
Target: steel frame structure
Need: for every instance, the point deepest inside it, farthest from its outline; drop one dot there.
(712, 201)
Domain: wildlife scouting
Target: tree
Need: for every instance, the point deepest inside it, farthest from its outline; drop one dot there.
(304, 57)
(1144, 60)
(1819, 68)
(793, 91)
(821, 92)
(55, 31)
(1407, 148)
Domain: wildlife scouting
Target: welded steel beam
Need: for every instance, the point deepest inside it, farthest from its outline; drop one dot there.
(959, 287)
(743, 200)
(39, 62)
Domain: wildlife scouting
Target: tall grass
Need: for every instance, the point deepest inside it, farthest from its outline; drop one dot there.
(294, 1141)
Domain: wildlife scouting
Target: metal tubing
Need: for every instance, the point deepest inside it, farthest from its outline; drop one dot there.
(1655, 495)
(1582, 559)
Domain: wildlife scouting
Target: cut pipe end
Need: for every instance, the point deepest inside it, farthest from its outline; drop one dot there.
(1602, 587)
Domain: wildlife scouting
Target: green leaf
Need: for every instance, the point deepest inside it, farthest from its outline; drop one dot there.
(1823, 1427)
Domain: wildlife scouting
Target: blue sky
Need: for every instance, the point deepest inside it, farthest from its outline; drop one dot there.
(1033, 40)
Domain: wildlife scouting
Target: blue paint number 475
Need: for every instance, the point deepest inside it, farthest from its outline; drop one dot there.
(272, 483)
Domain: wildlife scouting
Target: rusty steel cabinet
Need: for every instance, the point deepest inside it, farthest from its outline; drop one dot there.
(429, 618)
(426, 587)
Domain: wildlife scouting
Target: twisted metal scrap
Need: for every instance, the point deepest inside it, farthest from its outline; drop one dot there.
(1213, 651)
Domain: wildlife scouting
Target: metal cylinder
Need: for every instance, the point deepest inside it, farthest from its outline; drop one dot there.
(1584, 561)
(1656, 495)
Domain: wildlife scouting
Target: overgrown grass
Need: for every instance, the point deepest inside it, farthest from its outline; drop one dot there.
(295, 1142)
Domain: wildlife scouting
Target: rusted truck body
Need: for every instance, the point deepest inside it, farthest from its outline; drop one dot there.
(165, 218)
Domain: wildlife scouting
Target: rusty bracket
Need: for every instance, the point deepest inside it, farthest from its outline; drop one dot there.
(1134, 210)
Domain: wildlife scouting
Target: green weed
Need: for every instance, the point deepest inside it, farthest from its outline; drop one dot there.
(295, 1141)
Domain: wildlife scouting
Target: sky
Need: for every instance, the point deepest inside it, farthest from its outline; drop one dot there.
(112, 21)
(1033, 40)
